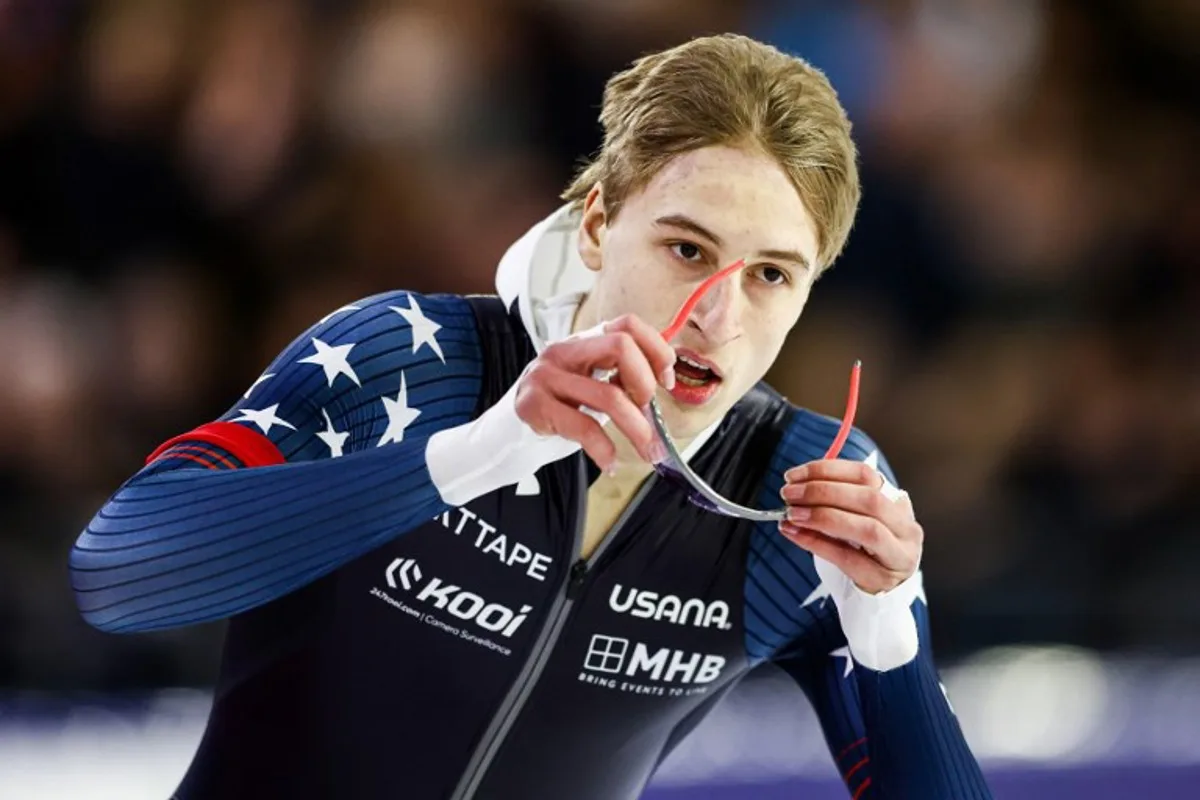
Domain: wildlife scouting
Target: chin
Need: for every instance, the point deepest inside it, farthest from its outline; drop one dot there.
(685, 420)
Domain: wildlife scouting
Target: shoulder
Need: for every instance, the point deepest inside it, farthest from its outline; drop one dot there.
(432, 326)
(422, 352)
(371, 340)
(794, 435)
(808, 435)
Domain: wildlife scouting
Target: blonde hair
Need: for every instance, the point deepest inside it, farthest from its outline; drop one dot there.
(729, 90)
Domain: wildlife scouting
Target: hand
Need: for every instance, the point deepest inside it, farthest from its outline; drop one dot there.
(562, 380)
(836, 510)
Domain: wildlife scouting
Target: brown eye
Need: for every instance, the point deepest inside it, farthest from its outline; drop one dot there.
(773, 276)
(687, 251)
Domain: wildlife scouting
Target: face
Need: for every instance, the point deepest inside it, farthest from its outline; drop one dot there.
(703, 211)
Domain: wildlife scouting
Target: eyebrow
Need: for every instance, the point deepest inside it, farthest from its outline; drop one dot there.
(686, 223)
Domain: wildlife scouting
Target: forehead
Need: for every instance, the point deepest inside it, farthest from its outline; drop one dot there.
(743, 196)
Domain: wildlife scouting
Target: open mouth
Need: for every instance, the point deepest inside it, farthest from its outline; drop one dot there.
(697, 379)
(691, 372)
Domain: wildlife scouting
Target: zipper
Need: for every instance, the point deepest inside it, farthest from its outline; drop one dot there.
(570, 591)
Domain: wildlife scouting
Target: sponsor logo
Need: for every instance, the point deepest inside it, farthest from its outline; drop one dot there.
(448, 597)
(405, 574)
(669, 608)
(613, 662)
(485, 537)
(406, 571)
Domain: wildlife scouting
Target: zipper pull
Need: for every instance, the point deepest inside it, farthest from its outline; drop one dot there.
(576, 579)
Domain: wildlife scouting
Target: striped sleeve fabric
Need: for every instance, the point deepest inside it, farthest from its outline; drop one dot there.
(892, 734)
(321, 461)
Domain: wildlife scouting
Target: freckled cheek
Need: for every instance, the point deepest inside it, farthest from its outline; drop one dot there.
(653, 295)
(631, 298)
(767, 335)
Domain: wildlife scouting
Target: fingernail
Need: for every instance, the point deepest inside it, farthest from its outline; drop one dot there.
(658, 452)
(668, 378)
(788, 529)
(799, 513)
(792, 492)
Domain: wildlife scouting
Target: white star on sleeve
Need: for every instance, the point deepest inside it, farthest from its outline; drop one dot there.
(400, 416)
(266, 376)
(264, 419)
(334, 440)
(844, 652)
(337, 311)
(820, 593)
(334, 360)
(424, 330)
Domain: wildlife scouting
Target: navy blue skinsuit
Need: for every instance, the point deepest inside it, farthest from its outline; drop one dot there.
(382, 644)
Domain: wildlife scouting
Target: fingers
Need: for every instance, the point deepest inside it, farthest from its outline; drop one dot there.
(550, 398)
(865, 534)
(573, 424)
(836, 509)
(561, 381)
(836, 469)
(576, 390)
(641, 357)
(611, 351)
(539, 408)
(852, 497)
(857, 565)
(656, 349)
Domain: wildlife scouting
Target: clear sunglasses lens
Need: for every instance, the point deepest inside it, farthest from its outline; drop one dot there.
(680, 480)
(675, 470)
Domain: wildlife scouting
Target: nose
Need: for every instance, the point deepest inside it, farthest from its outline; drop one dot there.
(718, 316)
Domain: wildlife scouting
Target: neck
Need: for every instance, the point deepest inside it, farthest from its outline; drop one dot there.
(629, 463)
(585, 315)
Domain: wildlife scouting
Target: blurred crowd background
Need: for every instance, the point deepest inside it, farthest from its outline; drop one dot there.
(185, 186)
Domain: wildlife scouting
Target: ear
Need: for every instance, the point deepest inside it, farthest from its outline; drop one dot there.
(592, 229)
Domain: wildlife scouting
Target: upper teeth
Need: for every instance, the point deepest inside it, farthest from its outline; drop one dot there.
(692, 363)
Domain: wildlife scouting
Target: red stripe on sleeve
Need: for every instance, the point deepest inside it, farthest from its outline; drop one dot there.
(856, 768)
(850, 747)
(862, 788)
(198, 449)
(190, 457)
(251, 447)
